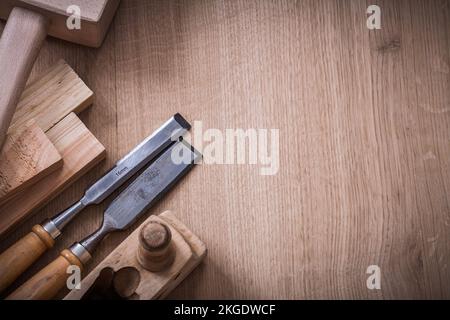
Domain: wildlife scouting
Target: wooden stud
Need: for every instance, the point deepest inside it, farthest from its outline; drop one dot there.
(45, 101)
(80, 151)
(20, 44)
(155, 251)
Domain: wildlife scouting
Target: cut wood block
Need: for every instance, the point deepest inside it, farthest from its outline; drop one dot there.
(137, 282)
(27, 156)
(45, 101)
(50, 98)
(80, 151)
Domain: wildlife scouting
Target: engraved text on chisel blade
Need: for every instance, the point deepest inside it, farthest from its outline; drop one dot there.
(151, 185)
(141, 155)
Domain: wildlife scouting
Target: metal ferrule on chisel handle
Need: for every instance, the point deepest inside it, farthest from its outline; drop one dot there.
(21, 255)
(142, 193)
(135, 160)
(152, 184)
(80, 252)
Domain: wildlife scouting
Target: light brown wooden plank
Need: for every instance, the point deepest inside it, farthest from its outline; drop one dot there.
(189, 252)
(51, 97)
(47, 100)
(27, 156)
(364, 174)
(80, 151)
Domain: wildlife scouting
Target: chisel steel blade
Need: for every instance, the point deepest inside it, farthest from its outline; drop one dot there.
(135, 160)
(135, 200)
(141, 194)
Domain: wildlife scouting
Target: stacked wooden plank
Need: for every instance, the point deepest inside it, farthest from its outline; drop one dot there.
(28, 155)
(48, 147)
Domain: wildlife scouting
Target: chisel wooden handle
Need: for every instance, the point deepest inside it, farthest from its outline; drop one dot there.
(20, 43)
(17, 258)
(46, 283)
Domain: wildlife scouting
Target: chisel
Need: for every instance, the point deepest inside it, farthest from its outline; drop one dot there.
(21, 255)
(134, 201)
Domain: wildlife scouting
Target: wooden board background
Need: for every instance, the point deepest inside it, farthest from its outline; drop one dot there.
(364, 135)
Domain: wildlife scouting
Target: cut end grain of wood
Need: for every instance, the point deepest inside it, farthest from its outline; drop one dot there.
(27, 156)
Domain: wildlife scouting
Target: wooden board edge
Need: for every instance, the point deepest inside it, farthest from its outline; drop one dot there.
(198, 248)
(99, 156)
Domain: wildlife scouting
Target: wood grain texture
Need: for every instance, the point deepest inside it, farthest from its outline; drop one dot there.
(80, 151)
(20, 44)
(27, 156)
(364, 119)
(17, 258)
(95, 17)
(58, 90)
(46, 283)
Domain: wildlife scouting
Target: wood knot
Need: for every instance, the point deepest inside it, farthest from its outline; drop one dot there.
(392, 45)
(155, 251)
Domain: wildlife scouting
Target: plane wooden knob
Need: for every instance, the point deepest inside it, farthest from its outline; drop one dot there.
(155, 251)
